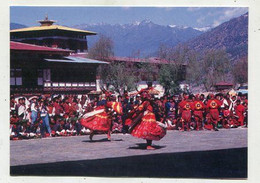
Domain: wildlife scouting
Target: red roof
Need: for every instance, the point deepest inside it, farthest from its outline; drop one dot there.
(222, 83)
(31, 47)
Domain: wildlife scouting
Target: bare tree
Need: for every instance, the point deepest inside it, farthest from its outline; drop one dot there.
(240, 71)
(193, 69)
(215, 67)
(163, 51)
(172, 73)
(169, 77)
(102, 49)
(148, 71)
(201, 69)
(119, 76)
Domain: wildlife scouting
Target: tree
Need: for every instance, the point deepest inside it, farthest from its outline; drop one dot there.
(118, 76)
(102, 49)
(204, 69)
(240, 71)
(171, 74)
(215, 67)
(147, 71)
(169, 77)
(163, 51)
(193, 69)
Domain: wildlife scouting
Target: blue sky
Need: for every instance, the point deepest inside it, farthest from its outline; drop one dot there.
(181, 16)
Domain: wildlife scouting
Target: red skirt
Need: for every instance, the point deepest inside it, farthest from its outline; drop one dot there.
(149, 129)
(98, 122)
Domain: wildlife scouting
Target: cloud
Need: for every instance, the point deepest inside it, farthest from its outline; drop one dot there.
(228, 14)
(233, 12)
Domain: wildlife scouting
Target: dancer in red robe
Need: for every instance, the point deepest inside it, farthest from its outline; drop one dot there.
(143, 123)
(100, 119)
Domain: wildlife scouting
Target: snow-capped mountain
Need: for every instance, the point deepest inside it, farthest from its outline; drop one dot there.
(142, 37)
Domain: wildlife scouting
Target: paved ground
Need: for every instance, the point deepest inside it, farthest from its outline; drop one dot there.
(203, 154)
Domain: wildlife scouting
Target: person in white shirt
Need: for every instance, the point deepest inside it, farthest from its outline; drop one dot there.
(21, 109)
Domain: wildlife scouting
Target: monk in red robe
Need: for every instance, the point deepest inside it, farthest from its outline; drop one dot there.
(185, 108)
(240, 112)
(227, 120)
(199, 109)
(212, 107)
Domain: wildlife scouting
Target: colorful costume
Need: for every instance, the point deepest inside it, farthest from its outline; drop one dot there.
(100, 118)
(240, 110)
(148, 128)
(226, 121)
(213, 106)
(186, 108)
(198, 113)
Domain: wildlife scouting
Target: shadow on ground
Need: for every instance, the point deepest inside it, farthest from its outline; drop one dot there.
(227, 163)
(143, 146)
(102, 140)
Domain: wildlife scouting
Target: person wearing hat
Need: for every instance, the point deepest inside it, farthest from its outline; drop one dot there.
(143, 122)
(100, 120)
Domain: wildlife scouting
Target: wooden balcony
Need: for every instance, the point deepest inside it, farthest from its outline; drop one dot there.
(66, 87)
(55, 87)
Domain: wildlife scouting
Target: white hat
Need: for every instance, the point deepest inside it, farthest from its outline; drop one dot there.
(33, 97)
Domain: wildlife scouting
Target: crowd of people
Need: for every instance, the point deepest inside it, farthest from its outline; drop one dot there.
(60, 115)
